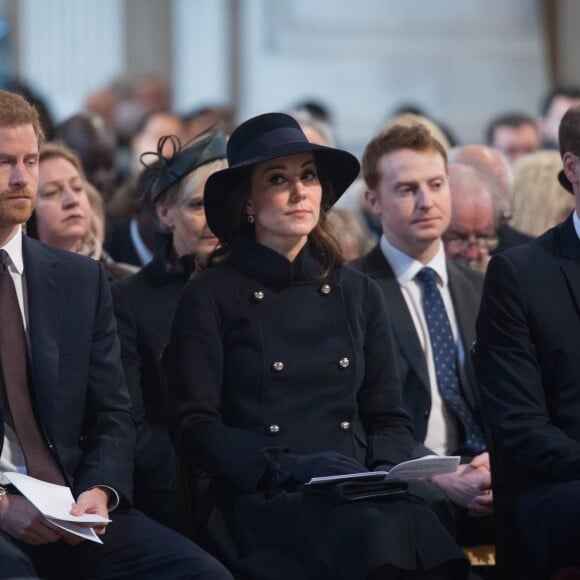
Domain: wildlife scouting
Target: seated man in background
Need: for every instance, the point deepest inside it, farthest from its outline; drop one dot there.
(514, 135)
(405, 169)
(475, 217)
(488, 160)
(554, 105)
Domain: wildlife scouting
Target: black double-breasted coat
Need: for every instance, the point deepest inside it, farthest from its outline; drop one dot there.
(264, 355)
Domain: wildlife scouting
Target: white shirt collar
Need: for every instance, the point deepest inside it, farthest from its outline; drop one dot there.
(14, 250)
(576, 221)
(406, 268)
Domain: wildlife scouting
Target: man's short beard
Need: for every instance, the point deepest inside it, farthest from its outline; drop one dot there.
(12, 214)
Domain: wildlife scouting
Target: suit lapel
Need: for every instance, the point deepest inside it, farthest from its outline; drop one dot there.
(466, 306)
(403, 327)
(45, 315)
(465, 303)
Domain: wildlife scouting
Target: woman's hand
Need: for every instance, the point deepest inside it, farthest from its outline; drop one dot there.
(302, 468)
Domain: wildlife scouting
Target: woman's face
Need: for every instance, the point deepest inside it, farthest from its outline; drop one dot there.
(63, 212)
(191, 234)
(285, 197)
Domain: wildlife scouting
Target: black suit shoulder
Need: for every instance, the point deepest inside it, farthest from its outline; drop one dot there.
(371, 263)
(540, 248)
(81, 269)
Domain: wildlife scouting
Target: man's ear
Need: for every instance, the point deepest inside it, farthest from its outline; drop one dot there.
(570, 162)
(373, 201)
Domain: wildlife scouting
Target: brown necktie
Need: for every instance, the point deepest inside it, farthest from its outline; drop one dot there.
(13, 356)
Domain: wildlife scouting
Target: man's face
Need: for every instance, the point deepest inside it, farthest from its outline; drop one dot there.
(514, 142)
(471, 234)
(18, 176)
(412, 201)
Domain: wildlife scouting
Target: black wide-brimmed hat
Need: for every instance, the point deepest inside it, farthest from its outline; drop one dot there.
(182, 160)
(263, 138)
(565, 182)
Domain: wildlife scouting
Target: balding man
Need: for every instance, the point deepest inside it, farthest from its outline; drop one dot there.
(488, 160)
(476, 213)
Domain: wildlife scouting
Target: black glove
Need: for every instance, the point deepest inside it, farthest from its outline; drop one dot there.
(302, 468)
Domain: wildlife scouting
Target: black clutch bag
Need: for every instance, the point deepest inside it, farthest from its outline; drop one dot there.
(363, 489)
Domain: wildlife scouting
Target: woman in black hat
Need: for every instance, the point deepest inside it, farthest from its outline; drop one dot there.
(145, 303)
(280, 370)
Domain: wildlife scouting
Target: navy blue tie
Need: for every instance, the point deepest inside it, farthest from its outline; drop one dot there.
(444, 355)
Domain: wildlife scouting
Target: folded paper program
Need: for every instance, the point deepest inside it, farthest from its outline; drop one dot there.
(413, 469)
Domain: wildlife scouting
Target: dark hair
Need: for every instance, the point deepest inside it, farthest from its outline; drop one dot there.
(567, 91)
(417, 138)
(316, 109)
(144, 120)
(512, 120)
(569, 131)
(324, 245)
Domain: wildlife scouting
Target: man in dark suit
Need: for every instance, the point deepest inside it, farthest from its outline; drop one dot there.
(527, 361)
(405, 170)
(65, 415)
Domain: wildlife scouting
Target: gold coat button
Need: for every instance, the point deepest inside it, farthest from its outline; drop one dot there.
(274, 428)
(325, 289)
(278, 366)
(258, 296)
(345, 425)
(344, 362)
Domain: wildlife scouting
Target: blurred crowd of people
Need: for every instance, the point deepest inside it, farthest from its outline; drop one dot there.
(512, 192)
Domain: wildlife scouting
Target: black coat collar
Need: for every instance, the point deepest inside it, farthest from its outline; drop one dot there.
(270, 267)
(160, 267)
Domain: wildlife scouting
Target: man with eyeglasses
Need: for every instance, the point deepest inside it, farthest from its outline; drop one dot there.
(476, 213)
(432, 303)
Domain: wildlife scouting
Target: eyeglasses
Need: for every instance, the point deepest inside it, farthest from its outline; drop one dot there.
(458, 245)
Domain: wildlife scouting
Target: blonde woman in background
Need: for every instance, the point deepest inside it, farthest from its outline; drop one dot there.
(538, 200)
(69, 211)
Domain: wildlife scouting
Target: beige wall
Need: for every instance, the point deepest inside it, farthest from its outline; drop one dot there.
(463, 61)
(568, 41)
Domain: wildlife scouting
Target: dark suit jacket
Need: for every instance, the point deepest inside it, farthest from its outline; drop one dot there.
(509, 237)
(465, 287)
(78, 389)
(528, 362)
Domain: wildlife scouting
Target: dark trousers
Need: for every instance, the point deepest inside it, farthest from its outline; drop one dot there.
(134, 547)
(468, 531)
